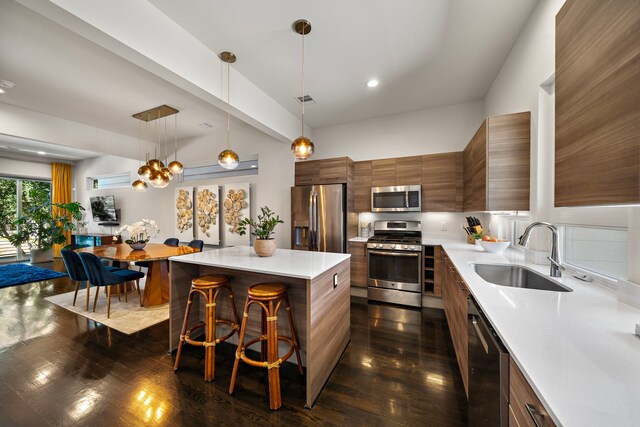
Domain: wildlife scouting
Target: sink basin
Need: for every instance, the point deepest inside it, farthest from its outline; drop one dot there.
(517, 276)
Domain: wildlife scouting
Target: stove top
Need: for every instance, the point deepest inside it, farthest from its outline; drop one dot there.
(396, 235)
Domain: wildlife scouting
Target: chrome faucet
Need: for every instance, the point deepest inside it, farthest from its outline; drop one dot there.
(556, 264)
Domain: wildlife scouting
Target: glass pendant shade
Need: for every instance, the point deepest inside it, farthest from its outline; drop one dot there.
(166, 174)
(144, 172)
(175, 167)
(156, 164)
(228, 159)
(302, 147)
(139, 186)
(155, 179)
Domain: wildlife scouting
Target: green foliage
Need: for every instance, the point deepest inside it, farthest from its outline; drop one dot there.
(8, 206)
(40, 228)
(263, 228)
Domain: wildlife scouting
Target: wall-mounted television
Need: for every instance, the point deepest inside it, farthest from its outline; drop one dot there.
(103, 208)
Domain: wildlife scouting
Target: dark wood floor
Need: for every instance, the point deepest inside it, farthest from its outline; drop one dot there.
(57, 368)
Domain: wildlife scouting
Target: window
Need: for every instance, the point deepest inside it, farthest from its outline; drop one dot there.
(16, 197)
(600, 250)
(245, 167)
(118, 180)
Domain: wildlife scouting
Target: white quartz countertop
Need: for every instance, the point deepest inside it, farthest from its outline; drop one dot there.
(284, 262)
(577, 349)
(359, 239)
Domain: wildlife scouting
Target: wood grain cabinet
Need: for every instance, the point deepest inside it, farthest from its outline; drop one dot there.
(383, 173)
(525, 409)
(358, 251)
(454, 299)
(496, 165)
(432, 276)
(442, 182)
(409, 170)
(597, 125)
(326, 171)
(362, 183)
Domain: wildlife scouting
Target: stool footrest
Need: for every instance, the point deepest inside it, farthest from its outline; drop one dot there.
(261, 364)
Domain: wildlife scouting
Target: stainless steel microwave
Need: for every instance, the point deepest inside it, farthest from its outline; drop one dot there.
(403, 198)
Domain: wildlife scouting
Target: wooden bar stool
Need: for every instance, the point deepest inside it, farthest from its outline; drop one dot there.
(208, 287)
(269, 296)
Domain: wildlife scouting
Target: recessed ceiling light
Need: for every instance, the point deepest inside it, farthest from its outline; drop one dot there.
(1, 90)
(372, 83)
(42, 153)
(254, 166)
(6, 84)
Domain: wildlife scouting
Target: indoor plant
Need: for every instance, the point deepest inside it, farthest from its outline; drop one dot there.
(43, 226)
(139, 233)
(263, 228)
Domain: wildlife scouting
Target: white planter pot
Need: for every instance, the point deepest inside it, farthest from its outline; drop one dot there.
(39, 255)
(264, 247)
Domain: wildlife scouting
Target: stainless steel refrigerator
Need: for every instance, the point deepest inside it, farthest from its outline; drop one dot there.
(318, 218)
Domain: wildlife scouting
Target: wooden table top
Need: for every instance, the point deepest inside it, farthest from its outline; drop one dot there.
(151, 252)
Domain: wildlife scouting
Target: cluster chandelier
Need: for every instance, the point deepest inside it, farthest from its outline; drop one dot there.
(302, 147)
(154, 170)
(228, 158)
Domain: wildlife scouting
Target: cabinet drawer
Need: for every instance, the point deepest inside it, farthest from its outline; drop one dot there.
(524, 403)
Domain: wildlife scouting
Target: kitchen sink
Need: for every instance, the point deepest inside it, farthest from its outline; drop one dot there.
(517, 276)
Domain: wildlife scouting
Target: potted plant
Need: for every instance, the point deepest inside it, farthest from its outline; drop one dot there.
(263, 228)
(42, 226)
(139, 233)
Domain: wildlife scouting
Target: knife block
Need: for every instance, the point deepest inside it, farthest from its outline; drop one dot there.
(471, 239)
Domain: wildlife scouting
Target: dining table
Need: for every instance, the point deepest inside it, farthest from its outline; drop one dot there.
(156, 288)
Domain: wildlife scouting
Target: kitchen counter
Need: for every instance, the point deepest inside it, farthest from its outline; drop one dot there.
(318, 286)
(284, 262)
(577, 349)
(359, 239)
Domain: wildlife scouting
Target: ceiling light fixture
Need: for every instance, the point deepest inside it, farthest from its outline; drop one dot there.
(5, 84)
(228, 158)
(1, 90)
(302, 147)
(139, 185)
(42, 153)
(372, 83)
(154, 170)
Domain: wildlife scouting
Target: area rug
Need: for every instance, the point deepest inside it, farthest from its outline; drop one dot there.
(19, 274)
(126, 317)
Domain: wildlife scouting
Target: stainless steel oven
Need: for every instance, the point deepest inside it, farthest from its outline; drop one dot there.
(404, 198)
(395, 257)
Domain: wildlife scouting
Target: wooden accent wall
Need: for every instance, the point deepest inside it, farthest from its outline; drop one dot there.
(597, 136)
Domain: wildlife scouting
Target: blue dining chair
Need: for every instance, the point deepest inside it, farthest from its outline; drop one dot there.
(76, 272)
(198, 244)
(172, 241)
(99, 275)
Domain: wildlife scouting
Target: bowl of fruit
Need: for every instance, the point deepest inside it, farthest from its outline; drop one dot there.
(493, 245)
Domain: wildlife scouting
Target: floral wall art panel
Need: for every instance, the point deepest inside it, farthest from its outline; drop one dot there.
(207, 214)
(183, 214)
(235, 207)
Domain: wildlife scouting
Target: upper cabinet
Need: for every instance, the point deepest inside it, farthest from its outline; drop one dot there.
(442, 183)
(362, 180)
(597, 135)
(328, 171)
(409, 170)
(496, 165)
(383, 173)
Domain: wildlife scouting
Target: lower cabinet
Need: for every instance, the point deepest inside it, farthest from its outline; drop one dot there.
(525, 409)
(358, 251)
(454, 299)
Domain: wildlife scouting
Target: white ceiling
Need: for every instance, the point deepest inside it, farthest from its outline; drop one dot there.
(425, 53)
(59, 73)
(11, 146)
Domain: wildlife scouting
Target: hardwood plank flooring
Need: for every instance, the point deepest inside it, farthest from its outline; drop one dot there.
(57, 368)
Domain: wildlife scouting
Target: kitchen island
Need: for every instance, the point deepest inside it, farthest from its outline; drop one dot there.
(319, 291)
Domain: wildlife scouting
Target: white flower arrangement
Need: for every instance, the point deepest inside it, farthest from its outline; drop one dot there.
(139, 232)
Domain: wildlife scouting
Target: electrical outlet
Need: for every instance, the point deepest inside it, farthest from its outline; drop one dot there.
(443, 225)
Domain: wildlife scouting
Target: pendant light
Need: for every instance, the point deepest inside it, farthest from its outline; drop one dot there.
(144, 171)
(139, 185)
(155, 163)
(175, 167)
(166, 173)
(228, 158)
(302, 147)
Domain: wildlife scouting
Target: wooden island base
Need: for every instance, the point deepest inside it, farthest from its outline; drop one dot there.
(322, 313)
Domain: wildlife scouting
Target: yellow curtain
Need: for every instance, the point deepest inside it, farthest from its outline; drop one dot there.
(60, 193)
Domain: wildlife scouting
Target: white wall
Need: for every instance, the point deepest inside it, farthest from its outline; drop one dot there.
(270, 187)
(24, 169)
(433, 130)
(525, 82)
